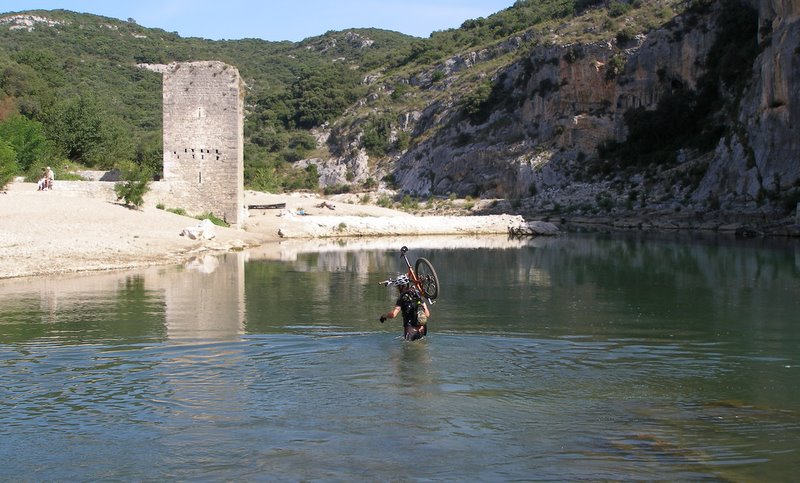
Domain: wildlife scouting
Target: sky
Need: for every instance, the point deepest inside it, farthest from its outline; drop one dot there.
(277, 20)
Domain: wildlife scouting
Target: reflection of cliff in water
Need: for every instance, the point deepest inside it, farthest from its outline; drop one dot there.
(699, 278)
(290, 249)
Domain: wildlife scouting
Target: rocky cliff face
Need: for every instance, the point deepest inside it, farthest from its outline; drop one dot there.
(765, 154)
(556, 104)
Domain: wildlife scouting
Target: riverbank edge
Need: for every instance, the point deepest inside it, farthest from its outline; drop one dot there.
(63, 232)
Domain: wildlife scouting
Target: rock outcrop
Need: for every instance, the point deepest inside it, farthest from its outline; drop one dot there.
(557, 104)
(765, 155)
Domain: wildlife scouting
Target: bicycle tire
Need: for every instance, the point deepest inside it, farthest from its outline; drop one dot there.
(427, 277)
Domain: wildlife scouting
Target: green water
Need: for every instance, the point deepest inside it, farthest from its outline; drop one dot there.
(582, 357)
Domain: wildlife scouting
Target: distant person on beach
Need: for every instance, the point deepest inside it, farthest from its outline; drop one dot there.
(42, 184)
(49, 176)
(410, 304)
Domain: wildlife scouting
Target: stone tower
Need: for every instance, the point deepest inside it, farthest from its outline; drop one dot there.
(203, 139)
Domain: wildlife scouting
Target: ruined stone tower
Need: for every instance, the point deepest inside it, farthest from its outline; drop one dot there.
(203, 139)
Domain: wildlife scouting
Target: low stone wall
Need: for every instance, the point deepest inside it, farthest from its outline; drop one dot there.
(160, 192)
(89, 175)
(87, 189)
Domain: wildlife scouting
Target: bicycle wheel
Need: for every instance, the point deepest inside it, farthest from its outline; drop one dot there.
(427, 278)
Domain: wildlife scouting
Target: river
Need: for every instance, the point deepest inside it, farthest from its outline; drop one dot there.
(579, 357)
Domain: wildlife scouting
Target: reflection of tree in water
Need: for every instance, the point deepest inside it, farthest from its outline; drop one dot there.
(91, 308)
(138, 312)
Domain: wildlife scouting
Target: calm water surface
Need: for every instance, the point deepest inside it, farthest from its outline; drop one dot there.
(582, 357)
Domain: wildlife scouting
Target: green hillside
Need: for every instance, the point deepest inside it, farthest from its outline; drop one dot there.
(71, 91)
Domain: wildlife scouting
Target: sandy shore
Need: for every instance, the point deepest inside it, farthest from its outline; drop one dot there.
(53, 232)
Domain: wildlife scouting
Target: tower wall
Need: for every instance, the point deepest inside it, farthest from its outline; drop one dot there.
(203, 139)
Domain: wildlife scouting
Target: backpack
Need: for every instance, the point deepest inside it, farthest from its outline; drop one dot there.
(411, 306)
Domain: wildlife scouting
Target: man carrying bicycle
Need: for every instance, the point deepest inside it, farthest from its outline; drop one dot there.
(410, 304)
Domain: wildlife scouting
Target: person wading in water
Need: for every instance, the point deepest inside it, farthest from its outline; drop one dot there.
(410, 304)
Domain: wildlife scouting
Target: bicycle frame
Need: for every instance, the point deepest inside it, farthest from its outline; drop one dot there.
(427, 284)
(413, 276)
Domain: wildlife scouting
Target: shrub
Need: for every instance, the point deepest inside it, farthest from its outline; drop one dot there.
(617, 9)
(8, 163)
(625, 35)
(370, 184)
(476, 104)
(336, 189)
(384, 201)
(400, 91)
(615, 67)
(134, 184)
(574, 54)
(409, 203)
(377, 132)
(213, 219)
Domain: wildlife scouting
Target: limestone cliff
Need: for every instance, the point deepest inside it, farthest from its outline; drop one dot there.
(764, 155)
(556, 104)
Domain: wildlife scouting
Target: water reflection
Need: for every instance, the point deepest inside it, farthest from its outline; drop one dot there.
(595, 285)
(206, 300)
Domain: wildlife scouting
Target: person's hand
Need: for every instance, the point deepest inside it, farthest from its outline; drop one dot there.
(383, 319)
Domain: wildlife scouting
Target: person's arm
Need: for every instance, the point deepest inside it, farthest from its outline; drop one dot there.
(425, 310)
(390, 314)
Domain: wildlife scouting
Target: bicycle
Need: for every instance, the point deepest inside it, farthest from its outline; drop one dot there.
(423, 276)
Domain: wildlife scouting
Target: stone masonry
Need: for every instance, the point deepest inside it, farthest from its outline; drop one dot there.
(203, 139)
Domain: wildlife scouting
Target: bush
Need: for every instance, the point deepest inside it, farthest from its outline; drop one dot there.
(134, 184)
(409, 203)
(8, 163)
(377, 132)
(336, 189)
(625, 35)
(213, 219)
(476, 103)
(370, 184)
(384, 201)
(615, 67)
(617, 9)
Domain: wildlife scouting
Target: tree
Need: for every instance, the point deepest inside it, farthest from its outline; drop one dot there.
(75, 126)
(322, 94)
(476, 104)
(27, 139)
(87, 134)
(134, 185)
(8, 163)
